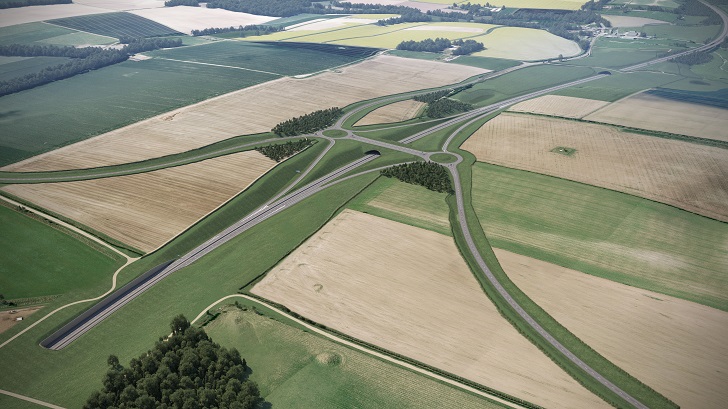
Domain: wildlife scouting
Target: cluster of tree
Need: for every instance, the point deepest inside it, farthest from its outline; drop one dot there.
(24, 3)
(277, 8)
(428, 45)
(432, 96)
(408, 17)
(309, 123)
(595, 5)
(186, 370)
(83, 60)
(191, 3)
(6, 303)
(243, 30)
(428, 174)
(284, 150)
(698, 58)
(467, 47)
(445, 107)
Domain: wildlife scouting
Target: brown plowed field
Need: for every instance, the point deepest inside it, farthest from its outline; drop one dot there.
(251, 110)
(408, 290)
(148, 209)
(686, 175)
(397, 112)
(675, 346)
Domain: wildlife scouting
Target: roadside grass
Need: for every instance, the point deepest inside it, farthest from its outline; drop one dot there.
(395, 132)
(616, 53)
(634, 387)
(488, 63)
(521, 82)
(62, 261)
(295, 368)
(405, 203)
(117, 25)
(77, 108)
(334, 133)
(608, 234)
(67, 377)
(619, 85)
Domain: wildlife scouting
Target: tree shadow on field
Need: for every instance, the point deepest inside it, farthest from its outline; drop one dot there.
(9, 114)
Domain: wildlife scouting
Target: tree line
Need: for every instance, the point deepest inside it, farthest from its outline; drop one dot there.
(284, 150)
(697, 58)
(309, 123)
(428, 174)
(186, 370)
(444, 107)
(467, 47)
(432, 96)
(83, 60)
(190, 3)
(24, 3)
(276, 8)
(243, 30)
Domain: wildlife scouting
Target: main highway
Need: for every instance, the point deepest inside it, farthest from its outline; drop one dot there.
(73, 330)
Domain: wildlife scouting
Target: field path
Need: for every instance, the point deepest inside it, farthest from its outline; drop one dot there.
(363, 349)
(219, 65)
(31, 400)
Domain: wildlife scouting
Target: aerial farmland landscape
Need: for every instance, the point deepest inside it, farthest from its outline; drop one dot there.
(256, 204)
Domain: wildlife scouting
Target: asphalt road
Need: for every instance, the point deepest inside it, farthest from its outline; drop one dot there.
(71, 331)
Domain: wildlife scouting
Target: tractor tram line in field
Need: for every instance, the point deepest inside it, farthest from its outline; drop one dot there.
(73, 330)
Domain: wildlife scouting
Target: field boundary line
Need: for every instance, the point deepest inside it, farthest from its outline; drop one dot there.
(116, 40)
(361, 348)
(217, 65)
(31, 400)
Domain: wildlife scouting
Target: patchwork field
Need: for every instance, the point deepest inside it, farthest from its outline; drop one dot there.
(605, 233)
(345, 278)
(294, 368)
(12, 67)
(637, 164)
(630, 21)
(252, 110)
(325, 24)
(556, 105)
(528, 44)
(60, 263)
(652, 112)
(397, 112)
(121, 24)
(31, 14)
(185, 19)
(675, 346)
(146, 210)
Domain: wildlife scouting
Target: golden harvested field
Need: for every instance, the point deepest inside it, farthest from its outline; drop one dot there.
(627, 21)
(525, 44)
(675, 346)
(647, 111)
(641, 165)
(185, 19)
(251, 110)
(408, 290)
(399, 111)
(31, 14)
(557, 105)
(146, 210)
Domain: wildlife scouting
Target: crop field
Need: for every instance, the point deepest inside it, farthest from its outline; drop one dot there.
(636, 164)
(252, 110)
(520, 82)
(30, 33)
(12, 67)
(631, 21)
(185, 19)
(325, 24)
(22, 15)
(268, 58)
(397, 112)
(294, 368)
(646, 111)
(556, 105)
(604, 233)
(698, 34)
(146, 210)
(117, 25)
(610, 52)
(659, 3)
(122, 5)
(66, 111)
(67, 380)
(405, 203)
(401, 288)
(618, 85)
(61, 263)
(673, 345)
(517, 43)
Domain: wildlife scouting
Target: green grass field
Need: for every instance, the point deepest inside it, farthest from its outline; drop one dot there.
(60, 263)
(12, 67)
(115, 25)
(619, 85)
(520, 82)
(294, 368)
(495, 64)
(405, 203)
(604, 233)
(86, 105)
(263, 57)
(30, 32)
(67, 377)
(619, 53)
(697, 34)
